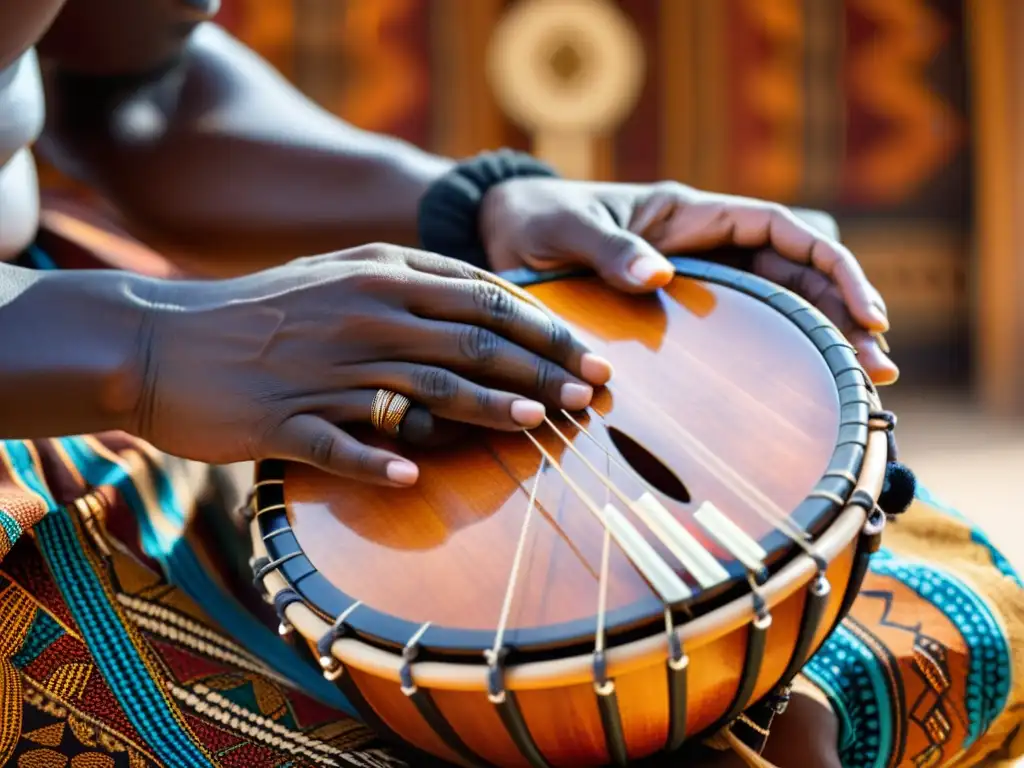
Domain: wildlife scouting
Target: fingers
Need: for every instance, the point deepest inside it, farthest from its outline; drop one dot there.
(820, 220)
(387, 254)
(876, 363)
(799, 241)
(712, 221)
(448, 395)
(446, 289)
(310, 439)
(419, 426)
(822, 293)
(482, 355)
(442, 266)
(625, 260)
(491, 329)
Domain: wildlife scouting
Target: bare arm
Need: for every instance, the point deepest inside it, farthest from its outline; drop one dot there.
(69, 358)
(202, 144)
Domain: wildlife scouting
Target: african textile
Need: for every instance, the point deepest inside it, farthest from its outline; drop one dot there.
(108, 653)
(125, 640)
(928, 668)
(112, 568)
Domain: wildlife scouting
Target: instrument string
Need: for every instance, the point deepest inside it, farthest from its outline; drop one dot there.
(655, 528)
(644, 566)
(736, 477)
(659, 575)
(602, 594)
(743, 487)
(756, 499)
(754, 496)
(517, 559)
(613, 489)
(763, 616)
(670, 532)
(780, 519)
(649, 562)
(611, 457)
(602, 685)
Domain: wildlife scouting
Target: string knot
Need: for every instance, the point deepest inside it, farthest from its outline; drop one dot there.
(820, 563)
(602, 684)
(496, 675)
(258, 564)
(336, 631)
(886, 421)
(675, 648)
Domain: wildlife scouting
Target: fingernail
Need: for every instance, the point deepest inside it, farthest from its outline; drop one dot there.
(402, 472)
(595, 369)
(576, 396)
(528, 413)
(879, 318)
(886, 376)
(644, 269)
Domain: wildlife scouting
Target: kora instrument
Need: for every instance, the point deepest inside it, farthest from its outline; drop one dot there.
(614, 583)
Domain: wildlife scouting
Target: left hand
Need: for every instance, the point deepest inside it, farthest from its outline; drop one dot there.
(622, 230)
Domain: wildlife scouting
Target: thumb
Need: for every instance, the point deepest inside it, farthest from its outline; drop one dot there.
(625, 260)
(311, 440)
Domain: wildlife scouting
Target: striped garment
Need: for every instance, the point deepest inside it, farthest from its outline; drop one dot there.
(125, 641)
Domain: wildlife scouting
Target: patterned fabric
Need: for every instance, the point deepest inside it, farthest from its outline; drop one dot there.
(124, 641)
(109, 655)
(928, 669)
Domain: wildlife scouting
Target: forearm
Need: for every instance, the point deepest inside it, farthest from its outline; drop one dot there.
(224, 153)
(69, 361)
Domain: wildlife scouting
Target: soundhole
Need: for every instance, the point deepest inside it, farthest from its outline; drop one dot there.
(649, 466)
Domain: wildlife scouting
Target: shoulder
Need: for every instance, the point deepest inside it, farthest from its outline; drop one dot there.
(22, 23)
(122, 37)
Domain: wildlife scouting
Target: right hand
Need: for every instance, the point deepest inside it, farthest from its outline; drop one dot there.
(267, 365)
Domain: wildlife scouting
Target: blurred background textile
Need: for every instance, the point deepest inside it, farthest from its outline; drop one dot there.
(899, 117)
(859, 108)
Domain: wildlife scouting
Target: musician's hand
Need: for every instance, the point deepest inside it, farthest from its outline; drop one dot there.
(265, 366)
(621, 230)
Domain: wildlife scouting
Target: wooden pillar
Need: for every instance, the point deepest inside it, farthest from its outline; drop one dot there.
(678, 49)
(467, 118)
(994, 30)
(711, 166)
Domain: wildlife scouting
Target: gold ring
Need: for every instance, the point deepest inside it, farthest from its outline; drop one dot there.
(387, 411)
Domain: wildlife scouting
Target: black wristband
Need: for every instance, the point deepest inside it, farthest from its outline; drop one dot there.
(450, 208)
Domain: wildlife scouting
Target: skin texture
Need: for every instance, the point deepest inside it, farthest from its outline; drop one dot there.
(180, 126)
(621, 230)
(215, 153)
(69, 352)
(198, 141)
(22, 22)
(203, 147)
(447, 324)
(21, 110)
